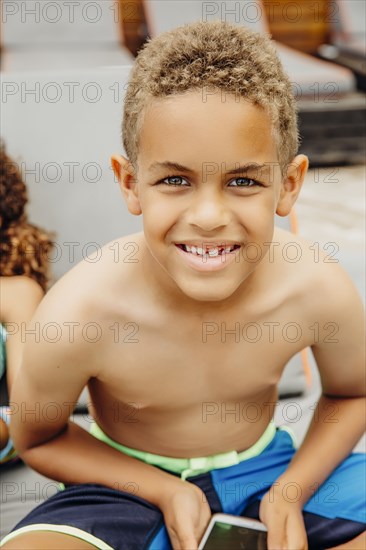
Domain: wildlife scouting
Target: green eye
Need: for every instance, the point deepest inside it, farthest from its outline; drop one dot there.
(243, 182)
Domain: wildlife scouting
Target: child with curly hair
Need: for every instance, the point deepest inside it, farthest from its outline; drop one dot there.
(211, 142)
(24, 278)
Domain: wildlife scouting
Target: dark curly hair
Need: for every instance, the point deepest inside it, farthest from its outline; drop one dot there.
(24, 247)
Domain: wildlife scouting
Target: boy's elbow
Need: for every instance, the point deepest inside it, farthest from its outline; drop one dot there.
(26, 443)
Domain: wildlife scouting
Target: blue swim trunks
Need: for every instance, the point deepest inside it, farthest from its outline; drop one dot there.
(114, 519)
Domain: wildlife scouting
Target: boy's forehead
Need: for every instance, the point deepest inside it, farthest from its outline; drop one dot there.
(206, 127)
(203, 101)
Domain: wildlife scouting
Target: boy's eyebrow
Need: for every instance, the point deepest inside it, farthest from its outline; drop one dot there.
(169, 164)
(249, 167)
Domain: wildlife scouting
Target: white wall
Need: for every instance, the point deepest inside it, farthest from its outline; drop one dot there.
(70, 117)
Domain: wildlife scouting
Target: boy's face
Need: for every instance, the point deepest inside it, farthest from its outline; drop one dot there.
(209, 178)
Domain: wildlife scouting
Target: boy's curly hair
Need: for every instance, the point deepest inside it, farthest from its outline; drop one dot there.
(24, 247)
(215, 55)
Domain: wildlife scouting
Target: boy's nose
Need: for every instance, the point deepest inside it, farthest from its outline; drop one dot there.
(208, 212)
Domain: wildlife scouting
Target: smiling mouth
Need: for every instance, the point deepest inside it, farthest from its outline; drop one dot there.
(208, 251)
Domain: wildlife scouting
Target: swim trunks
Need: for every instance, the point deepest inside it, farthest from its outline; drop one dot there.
(233, 483)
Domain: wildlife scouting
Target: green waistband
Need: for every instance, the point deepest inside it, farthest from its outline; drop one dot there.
(191, 466)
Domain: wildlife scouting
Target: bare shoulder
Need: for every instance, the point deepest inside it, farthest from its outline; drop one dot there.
(330, 306)
(316, 276)
(89, 292)
(92, 281)
(18, 293)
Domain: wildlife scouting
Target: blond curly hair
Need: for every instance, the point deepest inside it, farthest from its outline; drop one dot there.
(215, 55)
(24, 247)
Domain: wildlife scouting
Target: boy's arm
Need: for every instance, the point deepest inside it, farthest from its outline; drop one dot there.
(339, 418)
(43, 397)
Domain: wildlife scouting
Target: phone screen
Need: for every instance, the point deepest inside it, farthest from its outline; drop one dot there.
(233, 537)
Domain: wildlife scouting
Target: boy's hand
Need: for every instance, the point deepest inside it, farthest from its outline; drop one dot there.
(284, 521)
(186, 515)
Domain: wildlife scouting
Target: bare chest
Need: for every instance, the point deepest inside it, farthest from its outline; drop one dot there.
(171, 366)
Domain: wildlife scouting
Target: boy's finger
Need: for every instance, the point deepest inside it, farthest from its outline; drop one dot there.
(188, 542)
(296, 533)
(276, 538)
(182, 541)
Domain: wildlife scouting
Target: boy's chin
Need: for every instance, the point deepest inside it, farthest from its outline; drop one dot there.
(207, 291)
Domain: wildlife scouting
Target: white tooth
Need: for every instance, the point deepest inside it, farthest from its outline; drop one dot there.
(213, 252)
(188, 248)
(200, 251)
(227, 250)
(193, 250)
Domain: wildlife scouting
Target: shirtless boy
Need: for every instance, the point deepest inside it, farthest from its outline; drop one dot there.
(211, 138)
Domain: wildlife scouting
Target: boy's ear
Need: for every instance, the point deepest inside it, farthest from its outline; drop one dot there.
(126, 177)
(291, 184)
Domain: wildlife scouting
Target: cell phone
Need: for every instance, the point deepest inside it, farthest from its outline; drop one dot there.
(234, 533)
